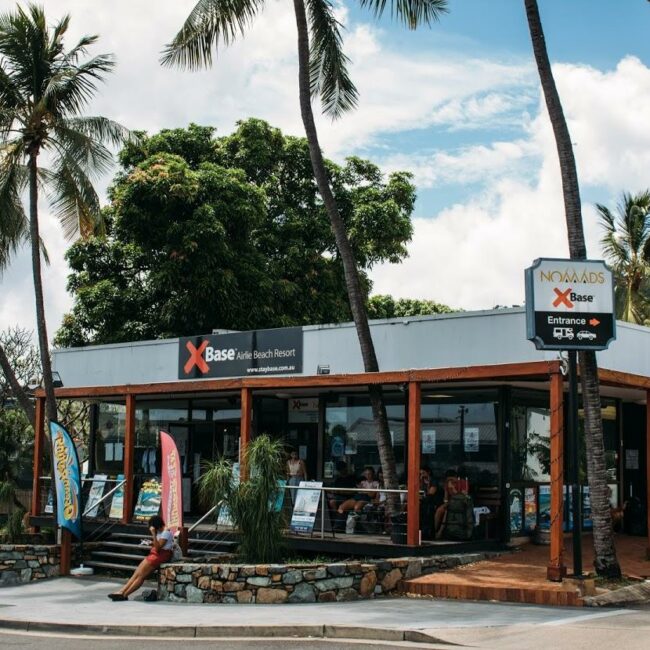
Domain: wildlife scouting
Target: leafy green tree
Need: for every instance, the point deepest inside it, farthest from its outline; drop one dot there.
(251, 504)
(43, 89)
(323, 74)
(16, 439)
(626, 245)
(606, 562)
(19, 365)
(180, 191)
(383, 306)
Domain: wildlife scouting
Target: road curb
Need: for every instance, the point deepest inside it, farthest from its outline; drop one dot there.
(232, 631)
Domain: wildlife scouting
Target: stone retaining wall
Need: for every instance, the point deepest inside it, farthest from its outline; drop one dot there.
(20, 563)
(296, 583)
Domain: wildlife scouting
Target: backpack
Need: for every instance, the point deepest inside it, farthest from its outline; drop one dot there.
(459, 521)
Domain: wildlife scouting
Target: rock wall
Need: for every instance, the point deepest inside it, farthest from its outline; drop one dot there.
(296, 583)
(20, 563)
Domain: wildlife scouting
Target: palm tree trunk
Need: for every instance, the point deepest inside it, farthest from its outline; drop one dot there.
(16, 388)
(606, 562)
(355, 292)
(41, 326)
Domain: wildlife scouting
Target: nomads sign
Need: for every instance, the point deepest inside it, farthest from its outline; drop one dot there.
(570, 305)
(256, 353)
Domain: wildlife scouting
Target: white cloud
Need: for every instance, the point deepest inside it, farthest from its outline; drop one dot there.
(472, 255)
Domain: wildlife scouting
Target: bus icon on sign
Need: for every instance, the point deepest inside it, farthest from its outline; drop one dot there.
(561, 333)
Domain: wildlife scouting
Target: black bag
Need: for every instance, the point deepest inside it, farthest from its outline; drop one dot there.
(459, 520)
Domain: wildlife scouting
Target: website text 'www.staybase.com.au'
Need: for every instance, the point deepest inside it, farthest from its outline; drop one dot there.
(266, 369)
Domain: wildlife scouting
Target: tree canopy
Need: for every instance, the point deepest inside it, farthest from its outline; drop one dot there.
(228, 232)
(382, 306)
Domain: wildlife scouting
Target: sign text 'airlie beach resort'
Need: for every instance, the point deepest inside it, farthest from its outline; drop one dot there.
(570, 304)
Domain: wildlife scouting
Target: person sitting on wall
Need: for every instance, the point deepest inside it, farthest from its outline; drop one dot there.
(432, 498)
(360, 499)
(162, 544)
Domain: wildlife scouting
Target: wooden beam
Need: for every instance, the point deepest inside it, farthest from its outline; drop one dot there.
(129, 455)
(623, 379)
(413, 480)
(647, 467)
(556, 569)
(245, 430)
(534, 370)
(39, 442)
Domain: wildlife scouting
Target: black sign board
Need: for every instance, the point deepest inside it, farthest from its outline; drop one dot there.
(242, 354)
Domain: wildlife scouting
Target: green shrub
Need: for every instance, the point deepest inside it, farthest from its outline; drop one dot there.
(250, 502)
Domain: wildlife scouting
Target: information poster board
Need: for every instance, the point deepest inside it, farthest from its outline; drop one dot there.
(117, 504)
(545, 507)
(95, 495)
(305, 507)
(516, 507)
(530, 509)
(149, 498)
(428, 441)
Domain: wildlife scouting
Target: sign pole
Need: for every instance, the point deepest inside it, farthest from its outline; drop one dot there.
(574, 460)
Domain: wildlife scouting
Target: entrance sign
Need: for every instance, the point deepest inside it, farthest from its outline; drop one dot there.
(67, 479)
(260, 352)
(172, 485)
(570, 304)
(305, 507)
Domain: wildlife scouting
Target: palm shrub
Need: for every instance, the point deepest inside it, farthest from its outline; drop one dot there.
(251, 502)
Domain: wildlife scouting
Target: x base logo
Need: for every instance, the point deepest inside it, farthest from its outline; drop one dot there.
(196, 358)
(562, 298)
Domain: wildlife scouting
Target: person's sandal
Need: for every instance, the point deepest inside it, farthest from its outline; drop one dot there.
(117, 597)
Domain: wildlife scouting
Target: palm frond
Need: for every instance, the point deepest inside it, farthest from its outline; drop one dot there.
(14, 227)
(411, 12)
(328, 65)
(74, 199)
(72, 87)
(210, 24)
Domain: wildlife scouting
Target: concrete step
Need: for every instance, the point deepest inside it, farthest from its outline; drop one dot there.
(113, 566)
(125, 545)
(121, 556)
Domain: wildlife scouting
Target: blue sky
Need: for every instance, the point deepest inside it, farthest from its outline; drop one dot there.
(458, 105)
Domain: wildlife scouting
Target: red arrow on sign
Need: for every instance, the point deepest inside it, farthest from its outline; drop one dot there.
(593, 322)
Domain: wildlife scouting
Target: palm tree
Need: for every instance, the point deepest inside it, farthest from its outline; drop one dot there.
(322, 73)
(626, 244)
(43, 89)
(606, 562)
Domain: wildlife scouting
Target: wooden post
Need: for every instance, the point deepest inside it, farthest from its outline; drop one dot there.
(245, 430)
(413, 481)
(647, 465)
(39, 442)
(184, 540)
(129, 451)
(556, 569)
(65, 559)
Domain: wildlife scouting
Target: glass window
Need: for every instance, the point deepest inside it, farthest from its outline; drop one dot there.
(350, 434)
(461, 435)
(109, 439)
(530, 443)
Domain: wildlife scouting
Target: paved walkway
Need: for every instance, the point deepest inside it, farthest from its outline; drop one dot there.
(80, 605)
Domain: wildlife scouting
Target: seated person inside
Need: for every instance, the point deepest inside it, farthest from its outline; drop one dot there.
(360, 499)
(432, 497)
(344, 479)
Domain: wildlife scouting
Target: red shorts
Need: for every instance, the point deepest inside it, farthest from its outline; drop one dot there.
(156, 558)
